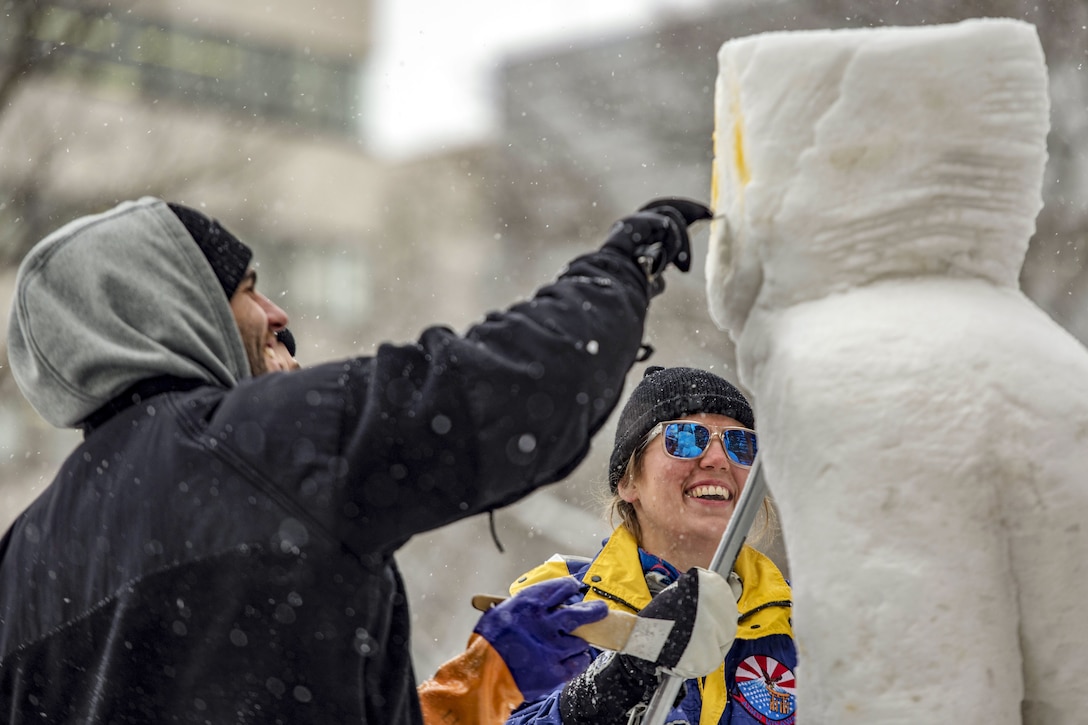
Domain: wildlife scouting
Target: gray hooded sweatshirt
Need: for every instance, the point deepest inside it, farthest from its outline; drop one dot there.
(112, 299)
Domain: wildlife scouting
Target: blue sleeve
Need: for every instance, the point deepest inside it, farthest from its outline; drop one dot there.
(541, 711)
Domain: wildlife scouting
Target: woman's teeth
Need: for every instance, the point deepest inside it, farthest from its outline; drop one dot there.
(716, 493)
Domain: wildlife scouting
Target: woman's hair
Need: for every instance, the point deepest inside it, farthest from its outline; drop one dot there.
(763, 531)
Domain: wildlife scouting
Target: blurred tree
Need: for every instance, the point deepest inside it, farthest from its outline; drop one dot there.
(24, 55)
(67, 71)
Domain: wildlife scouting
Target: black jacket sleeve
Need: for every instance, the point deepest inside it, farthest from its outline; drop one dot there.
(376, 449)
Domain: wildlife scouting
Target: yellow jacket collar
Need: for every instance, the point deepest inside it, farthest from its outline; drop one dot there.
(616, 574)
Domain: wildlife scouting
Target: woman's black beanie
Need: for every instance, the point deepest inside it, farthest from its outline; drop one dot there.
(228, 256)
(669, 394)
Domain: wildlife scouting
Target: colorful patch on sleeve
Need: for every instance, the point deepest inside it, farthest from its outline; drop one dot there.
(765, 689)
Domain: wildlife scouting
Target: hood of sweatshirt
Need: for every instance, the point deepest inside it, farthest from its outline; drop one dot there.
(114, 298)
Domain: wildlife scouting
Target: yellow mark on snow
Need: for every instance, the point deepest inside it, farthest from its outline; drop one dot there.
(740, 163)
(722, 156)
(740, 159)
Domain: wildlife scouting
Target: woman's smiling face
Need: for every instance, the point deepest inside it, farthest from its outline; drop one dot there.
(683, 506)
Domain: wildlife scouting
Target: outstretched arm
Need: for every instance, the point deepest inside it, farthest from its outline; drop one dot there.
(421, 435)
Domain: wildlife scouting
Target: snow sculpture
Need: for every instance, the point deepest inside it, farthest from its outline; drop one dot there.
(924, 426)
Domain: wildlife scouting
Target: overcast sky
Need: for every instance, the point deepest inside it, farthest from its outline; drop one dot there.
(429, 83)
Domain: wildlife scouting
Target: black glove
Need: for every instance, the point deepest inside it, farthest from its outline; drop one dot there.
(697, 615)
(657, 235)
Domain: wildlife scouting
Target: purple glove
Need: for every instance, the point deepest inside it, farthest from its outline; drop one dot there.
(531, 632)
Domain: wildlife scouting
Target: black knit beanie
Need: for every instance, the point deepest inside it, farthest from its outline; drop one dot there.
(670, 394)
(228, 256)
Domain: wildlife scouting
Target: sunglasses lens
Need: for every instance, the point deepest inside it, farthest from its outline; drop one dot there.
(686, 440)
(741, 446)
(690, 440)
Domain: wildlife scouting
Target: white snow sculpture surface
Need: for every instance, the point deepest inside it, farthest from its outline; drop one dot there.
(924, 426)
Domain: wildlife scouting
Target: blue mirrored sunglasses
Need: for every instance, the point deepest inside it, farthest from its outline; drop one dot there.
(687, 440)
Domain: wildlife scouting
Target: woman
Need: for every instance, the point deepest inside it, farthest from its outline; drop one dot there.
(684, 445)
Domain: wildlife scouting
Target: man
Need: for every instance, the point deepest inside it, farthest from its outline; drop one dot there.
(220, 547)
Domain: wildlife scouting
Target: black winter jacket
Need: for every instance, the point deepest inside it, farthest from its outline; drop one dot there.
(225, 555)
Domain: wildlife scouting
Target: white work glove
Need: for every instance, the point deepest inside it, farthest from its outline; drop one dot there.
(698, 616)
(694, 623)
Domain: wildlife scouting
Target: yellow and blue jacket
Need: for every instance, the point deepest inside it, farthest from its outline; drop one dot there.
(755, 683)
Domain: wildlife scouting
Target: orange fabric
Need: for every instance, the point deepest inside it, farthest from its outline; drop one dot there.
(474, 688)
